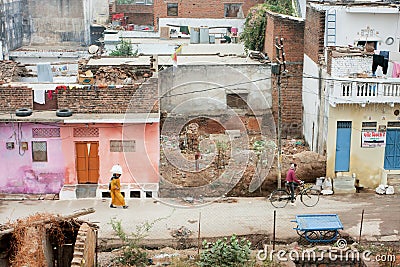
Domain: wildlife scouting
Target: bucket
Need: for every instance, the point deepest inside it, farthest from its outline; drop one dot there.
(212, 39)
(234, 31)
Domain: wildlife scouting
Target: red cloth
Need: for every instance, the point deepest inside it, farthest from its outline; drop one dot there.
(291, 176)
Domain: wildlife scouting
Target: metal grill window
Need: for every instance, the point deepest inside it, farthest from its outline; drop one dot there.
(344, 124)
(369, 126)
(39, 151)
(394, 124)
(45, 132)
(122, 145)
(86, 132)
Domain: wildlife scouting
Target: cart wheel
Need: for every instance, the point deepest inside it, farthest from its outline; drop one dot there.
(300, 232)
(329, 235)
(279, 198)
(312, 236)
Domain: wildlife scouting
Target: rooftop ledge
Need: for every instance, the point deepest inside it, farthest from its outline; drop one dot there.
(50, 116)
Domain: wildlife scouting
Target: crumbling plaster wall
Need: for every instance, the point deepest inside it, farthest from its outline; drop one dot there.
(14, 25)
(203, 88)
(57, 21)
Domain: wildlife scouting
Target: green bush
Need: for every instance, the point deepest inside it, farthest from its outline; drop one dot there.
(253, 34)
(124, 49)
(225, 253)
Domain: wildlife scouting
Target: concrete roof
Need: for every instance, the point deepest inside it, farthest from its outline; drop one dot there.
(182, 60)
(50, 116)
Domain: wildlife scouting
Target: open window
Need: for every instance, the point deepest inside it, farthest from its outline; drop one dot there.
(233, 11)
(237, 101)
(172, 9)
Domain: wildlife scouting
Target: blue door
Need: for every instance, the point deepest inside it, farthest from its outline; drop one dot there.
(392, 150)
(343, 137)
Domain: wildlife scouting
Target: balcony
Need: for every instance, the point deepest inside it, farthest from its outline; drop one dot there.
(363, 91)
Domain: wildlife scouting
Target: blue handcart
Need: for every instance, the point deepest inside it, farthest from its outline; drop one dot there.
(318, 227)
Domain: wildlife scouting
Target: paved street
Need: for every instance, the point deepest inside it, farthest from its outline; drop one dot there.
(246, 216)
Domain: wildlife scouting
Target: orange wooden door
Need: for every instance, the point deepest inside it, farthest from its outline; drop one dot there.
(87, 162)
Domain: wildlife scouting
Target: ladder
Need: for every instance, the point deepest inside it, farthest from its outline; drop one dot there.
(330, 28)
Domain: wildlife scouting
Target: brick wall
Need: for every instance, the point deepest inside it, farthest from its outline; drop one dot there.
(291, 101)
(13, 98)
(314, 33)
(85, 247)
(137, 14)
(111, 100)
(200, 9)
(291, 30)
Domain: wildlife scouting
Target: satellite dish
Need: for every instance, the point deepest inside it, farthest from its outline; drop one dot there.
(93, 49)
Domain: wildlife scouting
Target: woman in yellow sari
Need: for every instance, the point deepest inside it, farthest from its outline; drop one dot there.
(117, 199)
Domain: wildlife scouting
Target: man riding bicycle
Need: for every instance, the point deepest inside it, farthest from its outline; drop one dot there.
(291, 181)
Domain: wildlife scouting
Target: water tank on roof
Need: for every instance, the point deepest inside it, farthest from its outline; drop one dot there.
(204, 35)
(194, 35)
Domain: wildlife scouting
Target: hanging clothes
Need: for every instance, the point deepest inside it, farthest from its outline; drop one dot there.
(50, 94)
(39, 96)
(378, 60)
(184, 29)
(44, 72)
(396, 70)
(385, 54)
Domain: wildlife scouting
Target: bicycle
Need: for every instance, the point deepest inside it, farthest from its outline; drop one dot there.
(308, 196)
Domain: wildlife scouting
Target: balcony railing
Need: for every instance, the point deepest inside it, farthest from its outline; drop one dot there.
(364, 91)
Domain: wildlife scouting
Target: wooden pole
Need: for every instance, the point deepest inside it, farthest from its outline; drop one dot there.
(273, 231)
(57, 218)
(361, 225)
(198, 236)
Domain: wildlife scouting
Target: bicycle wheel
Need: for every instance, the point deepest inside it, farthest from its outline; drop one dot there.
(310, 197)
(279, 198)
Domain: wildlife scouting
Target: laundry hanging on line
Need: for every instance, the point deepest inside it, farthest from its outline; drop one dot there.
(396, 70)
(380, 60)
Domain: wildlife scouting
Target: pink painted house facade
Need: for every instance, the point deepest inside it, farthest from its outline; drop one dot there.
(72, 156)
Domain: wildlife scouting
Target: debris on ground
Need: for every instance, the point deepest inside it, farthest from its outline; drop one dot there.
(181, 232)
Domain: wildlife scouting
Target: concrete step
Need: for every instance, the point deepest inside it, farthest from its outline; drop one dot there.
(344, 185)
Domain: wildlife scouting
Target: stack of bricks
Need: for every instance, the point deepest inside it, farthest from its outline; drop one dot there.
(85, 247)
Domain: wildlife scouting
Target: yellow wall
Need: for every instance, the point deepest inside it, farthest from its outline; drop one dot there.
(366, 163)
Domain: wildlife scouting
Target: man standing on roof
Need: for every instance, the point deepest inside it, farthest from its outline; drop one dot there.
(291, 180)
(117, 199)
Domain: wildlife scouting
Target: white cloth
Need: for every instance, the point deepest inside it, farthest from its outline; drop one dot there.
(39, 96)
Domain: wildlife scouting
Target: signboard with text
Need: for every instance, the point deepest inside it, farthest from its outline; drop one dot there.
(373, 139)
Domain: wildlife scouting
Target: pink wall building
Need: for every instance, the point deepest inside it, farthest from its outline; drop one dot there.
(71, 155)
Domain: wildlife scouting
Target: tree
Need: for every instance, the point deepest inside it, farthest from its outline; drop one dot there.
(253, 34)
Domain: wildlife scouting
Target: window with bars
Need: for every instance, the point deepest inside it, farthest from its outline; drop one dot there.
(39, 151)
(122, 145)
(368, 126)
